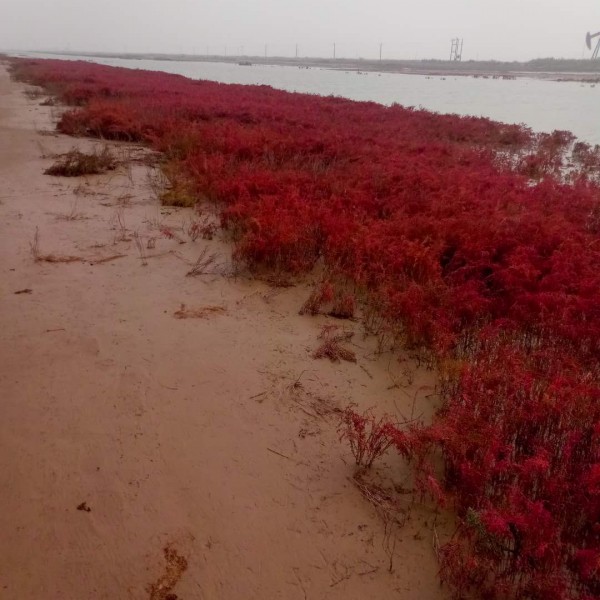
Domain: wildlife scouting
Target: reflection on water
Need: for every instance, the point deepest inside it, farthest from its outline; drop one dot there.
(541, 105)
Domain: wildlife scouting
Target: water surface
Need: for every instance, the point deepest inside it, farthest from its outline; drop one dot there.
(540, 104)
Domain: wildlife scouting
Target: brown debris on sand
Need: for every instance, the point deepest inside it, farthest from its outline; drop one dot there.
(174, 569)
(84, 507)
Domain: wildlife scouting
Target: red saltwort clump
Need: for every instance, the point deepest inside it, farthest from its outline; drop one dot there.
(477, 244)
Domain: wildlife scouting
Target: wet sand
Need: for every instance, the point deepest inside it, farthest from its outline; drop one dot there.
(148, 456)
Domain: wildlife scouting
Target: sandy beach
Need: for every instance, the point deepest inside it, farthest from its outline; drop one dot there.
(148, 456)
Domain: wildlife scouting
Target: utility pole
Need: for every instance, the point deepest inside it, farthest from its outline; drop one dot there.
(380, 51)
(333, 50)
(265, 50)
(296, 50)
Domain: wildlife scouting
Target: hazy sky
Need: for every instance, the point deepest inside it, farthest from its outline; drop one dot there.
(498, 29)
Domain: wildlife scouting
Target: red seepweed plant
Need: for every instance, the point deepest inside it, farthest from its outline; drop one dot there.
(370, 437)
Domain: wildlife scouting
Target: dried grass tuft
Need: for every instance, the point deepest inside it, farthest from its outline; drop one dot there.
(331, 347)
(76, 163)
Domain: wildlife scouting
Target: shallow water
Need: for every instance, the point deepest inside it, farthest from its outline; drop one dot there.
(539, 104)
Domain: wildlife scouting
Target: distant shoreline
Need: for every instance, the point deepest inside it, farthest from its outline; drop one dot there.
(548, 68)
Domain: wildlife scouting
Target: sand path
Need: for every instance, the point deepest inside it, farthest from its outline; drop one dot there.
(181, 436)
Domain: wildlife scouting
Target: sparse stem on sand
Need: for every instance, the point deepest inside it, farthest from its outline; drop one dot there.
(140, 247)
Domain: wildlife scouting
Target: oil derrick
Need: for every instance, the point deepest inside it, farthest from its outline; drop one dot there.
(588, 42)
(456, 49)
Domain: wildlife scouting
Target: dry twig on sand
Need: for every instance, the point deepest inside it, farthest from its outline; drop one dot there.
(118, 224)
(100, 261)
(387, 508)
(50, 258)
(198, 313)
(383, 501)
(206, 264)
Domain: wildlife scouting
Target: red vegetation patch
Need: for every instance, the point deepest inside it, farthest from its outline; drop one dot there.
(478, 245)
